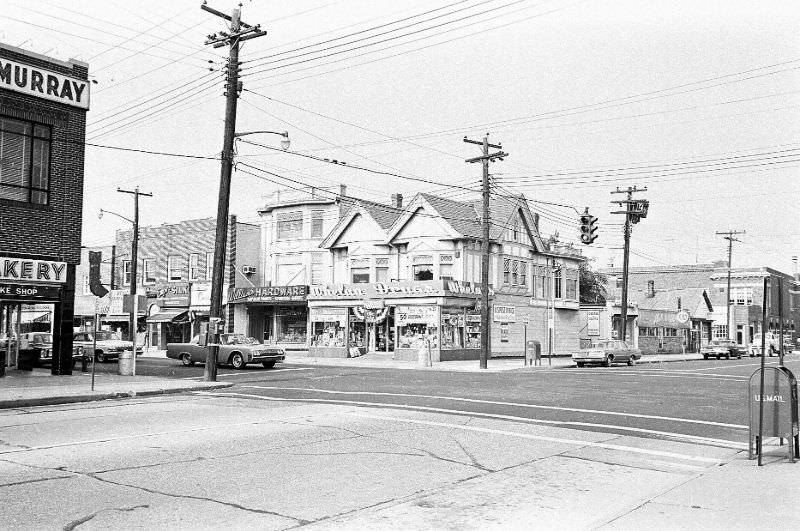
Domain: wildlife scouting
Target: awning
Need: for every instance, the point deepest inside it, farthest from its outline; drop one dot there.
(168, 316)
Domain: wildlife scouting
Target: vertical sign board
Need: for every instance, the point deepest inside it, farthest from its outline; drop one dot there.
(780, 408)
(593, 323)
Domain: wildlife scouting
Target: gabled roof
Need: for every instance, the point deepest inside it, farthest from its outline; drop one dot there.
(383, 215)
(693, 300)
(464, 217)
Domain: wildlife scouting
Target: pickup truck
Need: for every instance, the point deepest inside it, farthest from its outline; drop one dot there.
(235, 349)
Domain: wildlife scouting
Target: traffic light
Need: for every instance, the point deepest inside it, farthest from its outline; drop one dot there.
(95, 286)
(588, 228)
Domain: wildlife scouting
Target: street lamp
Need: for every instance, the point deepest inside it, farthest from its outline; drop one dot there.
(134, 262)
(215, 317)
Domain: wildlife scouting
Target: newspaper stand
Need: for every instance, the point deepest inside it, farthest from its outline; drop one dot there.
(779, 399)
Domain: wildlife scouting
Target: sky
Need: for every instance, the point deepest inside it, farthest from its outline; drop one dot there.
(697, 102)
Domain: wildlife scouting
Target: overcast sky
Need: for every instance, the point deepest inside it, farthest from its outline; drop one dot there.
(696, 101)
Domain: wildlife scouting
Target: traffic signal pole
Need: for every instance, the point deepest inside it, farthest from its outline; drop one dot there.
(485, 159)
(632, 214)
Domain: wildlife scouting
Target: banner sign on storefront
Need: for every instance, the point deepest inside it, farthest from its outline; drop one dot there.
(26, 269)
(593, 324)
(40, 83)
(29, 291)
(393, 290)
(328, 315)
(406, 315)
(504, 314)
(172, 295)
(268, 294)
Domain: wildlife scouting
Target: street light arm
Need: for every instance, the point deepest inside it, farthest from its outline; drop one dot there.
(100, 215)
(285, 134)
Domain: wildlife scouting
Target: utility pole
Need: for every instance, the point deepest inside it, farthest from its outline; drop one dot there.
(635, 209)
(485, 159)
(134, 268)
(239, 31)
(729, 235)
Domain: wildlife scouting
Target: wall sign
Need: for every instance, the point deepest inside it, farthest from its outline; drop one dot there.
(26, 269)
(593, 323)
(41, 83)
(395, 290)
(428, 315)
(28, 291)
(268, 294)
(504, 314)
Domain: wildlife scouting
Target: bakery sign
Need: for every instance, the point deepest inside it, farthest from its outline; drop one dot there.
(29, 270)
(45, 84)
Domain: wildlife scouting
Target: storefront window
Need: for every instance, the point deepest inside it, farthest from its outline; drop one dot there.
(290, 324)
(452, 328)
(473, 329)
(358, 330)
(329, 327)
(416, 324)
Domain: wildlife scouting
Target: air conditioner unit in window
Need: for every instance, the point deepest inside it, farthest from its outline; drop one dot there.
(248, 270)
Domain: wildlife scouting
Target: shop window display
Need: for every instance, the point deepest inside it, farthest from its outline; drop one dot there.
(328, 327)
(416, 324)
(473, 330)
(357, 330)
(452, 328)
(291, 324)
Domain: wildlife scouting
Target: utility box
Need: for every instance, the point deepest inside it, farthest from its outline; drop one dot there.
(780, 415)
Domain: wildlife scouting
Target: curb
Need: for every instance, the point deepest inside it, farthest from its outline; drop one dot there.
(115, 395)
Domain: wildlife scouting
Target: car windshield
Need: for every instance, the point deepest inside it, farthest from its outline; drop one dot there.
(720, 342)
(236, 339)
(604, 344)
(103, 335)
(43, 338)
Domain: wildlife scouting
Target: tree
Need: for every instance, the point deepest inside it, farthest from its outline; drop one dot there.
(592, 283)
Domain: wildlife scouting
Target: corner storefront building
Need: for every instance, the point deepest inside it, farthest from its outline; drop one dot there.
(43, 104)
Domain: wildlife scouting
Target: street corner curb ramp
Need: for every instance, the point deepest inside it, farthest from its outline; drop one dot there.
(53, 398)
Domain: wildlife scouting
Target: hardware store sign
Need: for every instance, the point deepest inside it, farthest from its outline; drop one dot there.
(45, 84)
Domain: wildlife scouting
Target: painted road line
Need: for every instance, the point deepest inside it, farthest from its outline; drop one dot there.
(499, 403)
(721, 378)
(696, 439)
(228, 374)
(557, 440)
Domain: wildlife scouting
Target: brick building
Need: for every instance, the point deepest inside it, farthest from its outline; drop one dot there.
(174, 273)
(43, 105)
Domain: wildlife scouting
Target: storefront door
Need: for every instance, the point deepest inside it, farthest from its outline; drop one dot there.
(10, 324)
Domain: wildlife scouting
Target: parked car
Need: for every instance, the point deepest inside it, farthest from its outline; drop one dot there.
(606, 352)
(722, 348)
(770, 345)
(235, 349)
(107, 347)
(41, 344)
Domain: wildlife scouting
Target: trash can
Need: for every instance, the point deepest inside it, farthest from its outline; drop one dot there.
(27, 359)
(125, 365)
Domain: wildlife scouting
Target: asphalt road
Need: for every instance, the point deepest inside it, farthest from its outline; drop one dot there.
(698, 401)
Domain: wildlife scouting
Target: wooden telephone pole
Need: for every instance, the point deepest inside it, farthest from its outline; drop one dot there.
(239, 31)
(730, 237)
(485, 159)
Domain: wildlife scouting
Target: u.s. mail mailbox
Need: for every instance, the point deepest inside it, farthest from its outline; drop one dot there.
(778, 401)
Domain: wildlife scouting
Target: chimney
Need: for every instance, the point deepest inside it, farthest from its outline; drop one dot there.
(651, 288)
(397, 201)
(795, 268)
(344, 202)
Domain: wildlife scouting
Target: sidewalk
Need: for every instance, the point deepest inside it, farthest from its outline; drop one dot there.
(39, 388)
(380, 360)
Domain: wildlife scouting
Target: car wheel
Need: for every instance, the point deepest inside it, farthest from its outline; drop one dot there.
(728, 356)
(186, 359)
(631, 361)
(607, 361)
(237, 361)
(705, 356)
(99, 357)
(268, 364)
